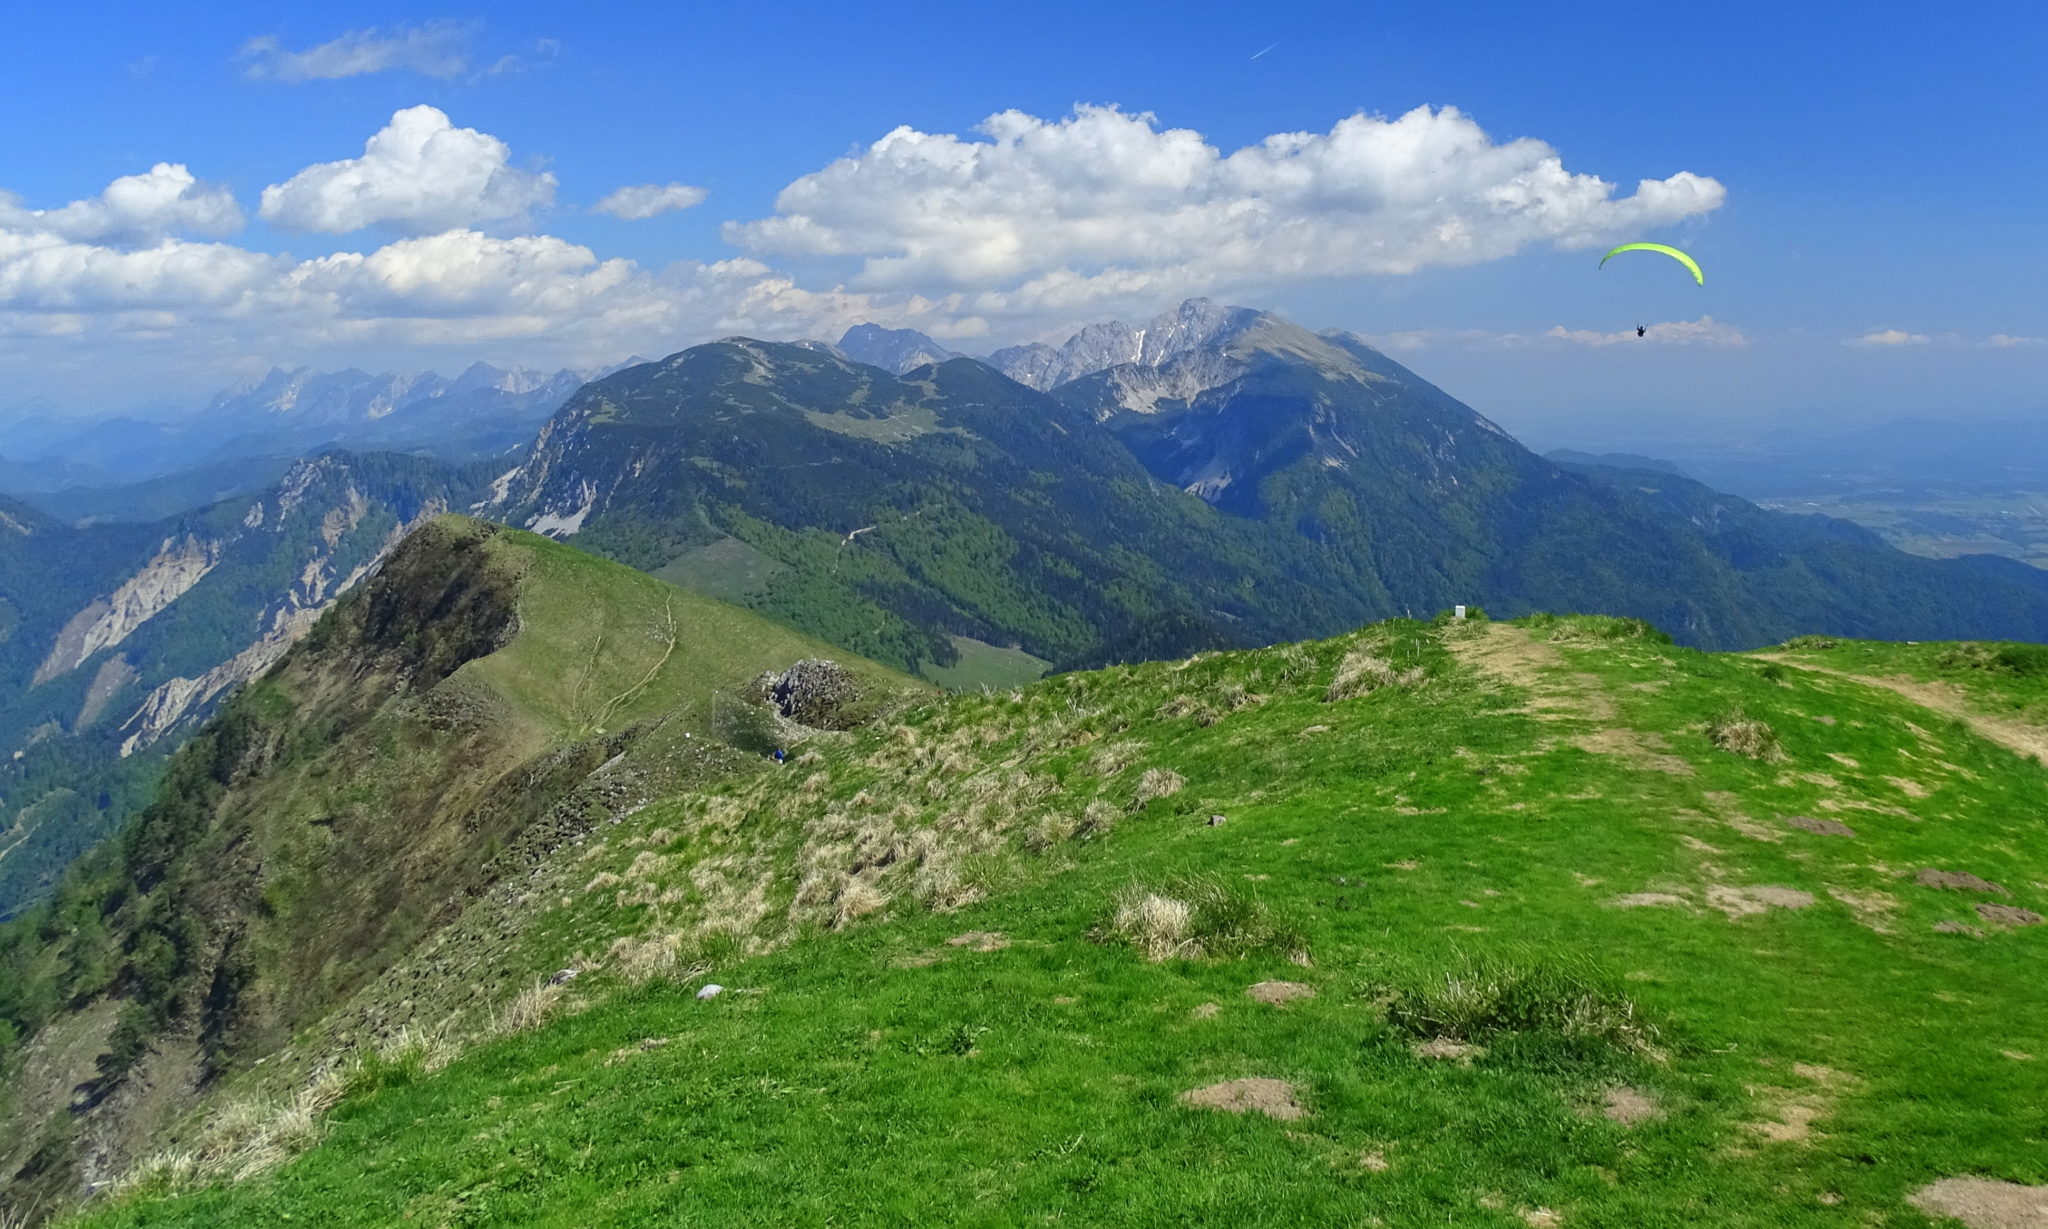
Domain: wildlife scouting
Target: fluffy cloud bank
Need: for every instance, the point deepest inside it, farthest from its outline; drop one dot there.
(649, 200)
(1034, 225)
(164, 200)
(435, 49)
(1105, 205)
(420, 174)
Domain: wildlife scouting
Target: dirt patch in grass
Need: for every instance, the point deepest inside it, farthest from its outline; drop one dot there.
(1825, 827)
(2008, 915)
(2026, 739)
(1540, 1218)
(1205, 1011)
(980, 941)
(1448, 1049)
(1792, 1117)
(1958, 928)
(1957, 881)
(1279, 993)
(1870, 908)
(1742, 902)
(1629, 1106)
(1273, 1098)
(1647, 900)
(1985, 1203)
(1643, 750)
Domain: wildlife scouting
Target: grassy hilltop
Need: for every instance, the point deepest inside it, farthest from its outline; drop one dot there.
(1545, 923)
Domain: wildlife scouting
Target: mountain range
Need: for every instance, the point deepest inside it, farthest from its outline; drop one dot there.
(126, 468)
(1216, 476)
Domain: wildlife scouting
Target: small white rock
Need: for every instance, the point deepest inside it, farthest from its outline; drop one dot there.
(711, 991)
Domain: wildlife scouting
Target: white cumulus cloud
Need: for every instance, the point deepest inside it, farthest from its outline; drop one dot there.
(419, 174)
(164, 200)
(2006, 341)
(1890, 337)
(1105, 205)
(648, 200)
(435, 49)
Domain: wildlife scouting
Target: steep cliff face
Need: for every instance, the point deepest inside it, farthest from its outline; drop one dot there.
(485, 698)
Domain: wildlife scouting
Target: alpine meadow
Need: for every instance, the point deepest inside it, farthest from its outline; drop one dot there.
(1299, 617)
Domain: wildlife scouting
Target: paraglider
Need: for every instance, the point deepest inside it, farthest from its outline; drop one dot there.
(1668, 250)
(1640, 330)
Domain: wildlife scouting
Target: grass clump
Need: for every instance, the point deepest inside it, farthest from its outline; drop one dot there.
(1155, 784)
(2013, 660)
(1484, 999)
(1200, 918)
(1362, 672)
(1578, 627)
(1811, 642)
(1739, 733)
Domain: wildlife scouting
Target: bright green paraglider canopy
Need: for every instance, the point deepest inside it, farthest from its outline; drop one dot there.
(1672, 252)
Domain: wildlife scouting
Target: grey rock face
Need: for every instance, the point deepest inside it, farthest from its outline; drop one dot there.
(893, 350)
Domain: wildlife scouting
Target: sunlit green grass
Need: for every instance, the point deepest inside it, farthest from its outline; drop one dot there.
(1422, 842)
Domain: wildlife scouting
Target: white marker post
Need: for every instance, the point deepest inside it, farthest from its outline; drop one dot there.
(1457, 612)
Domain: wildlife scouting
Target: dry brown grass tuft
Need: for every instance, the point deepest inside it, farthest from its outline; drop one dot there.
(528, 1010)
(604, 879)
(1158, 926)
(1155, 784)
(1362, 672)
(1740, 734)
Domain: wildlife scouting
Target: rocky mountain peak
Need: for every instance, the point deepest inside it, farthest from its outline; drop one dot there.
(893, 350)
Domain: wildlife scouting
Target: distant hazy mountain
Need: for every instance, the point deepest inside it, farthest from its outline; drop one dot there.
(127, 468)
(893, 350)
(1911, 455)
(1611, 460)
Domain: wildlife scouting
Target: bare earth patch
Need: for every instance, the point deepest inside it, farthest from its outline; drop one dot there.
(1629, 1106)
(2028, 740)
(1958, 928)
(1273, 1098)
(1794, 1121)
(1957, 881)
(1279, 993)
(1375, 1161)
(1446, 1048)
(1984, 1203)
(1205, 1011)
(1540, 1218)
(1741, 902)
(1645, 900)
(1825, 827)
(980, 941)
(1870, 908)
(2008, 915)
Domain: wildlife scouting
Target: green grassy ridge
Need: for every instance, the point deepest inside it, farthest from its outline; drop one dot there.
(883, 1076)
(488, 690)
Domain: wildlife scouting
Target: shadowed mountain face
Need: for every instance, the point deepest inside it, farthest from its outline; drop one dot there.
(1219, 472)
(115, 639)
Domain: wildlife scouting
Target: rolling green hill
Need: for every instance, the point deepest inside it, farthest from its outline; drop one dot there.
(1544, 923)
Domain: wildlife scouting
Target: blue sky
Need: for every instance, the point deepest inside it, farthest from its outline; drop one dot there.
(1876, 172)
